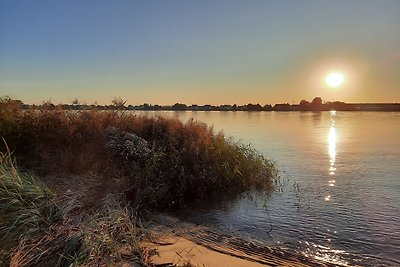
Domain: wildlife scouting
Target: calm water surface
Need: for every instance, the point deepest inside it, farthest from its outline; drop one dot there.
(340, 194)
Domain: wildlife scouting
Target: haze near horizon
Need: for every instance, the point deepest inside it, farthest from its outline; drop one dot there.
(203, 52)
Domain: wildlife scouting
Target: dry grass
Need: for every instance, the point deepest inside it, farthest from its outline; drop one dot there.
(110, 237)
(104, 237)
(184, 162)
(39, 228)
(26, 207)
(106, 169)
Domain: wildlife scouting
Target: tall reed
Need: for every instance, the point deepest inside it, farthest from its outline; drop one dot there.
(185, 161)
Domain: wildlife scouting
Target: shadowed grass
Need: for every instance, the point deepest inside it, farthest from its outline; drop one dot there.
(38, 228)
(25, 205)
(27, 209)
(110, 237)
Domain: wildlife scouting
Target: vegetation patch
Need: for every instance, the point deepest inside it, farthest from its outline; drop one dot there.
(168, 163)
(105, 170)
(39, 228)
(26, 209)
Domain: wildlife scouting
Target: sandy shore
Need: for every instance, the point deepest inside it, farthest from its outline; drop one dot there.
(181, 251)
(185, 244)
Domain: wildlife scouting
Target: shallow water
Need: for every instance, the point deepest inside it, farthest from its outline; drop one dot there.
(340, 195)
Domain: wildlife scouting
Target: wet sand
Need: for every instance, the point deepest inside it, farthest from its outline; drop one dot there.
(185, 244)
(181, 251)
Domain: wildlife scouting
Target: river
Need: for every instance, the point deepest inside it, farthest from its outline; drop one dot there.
(339, 196)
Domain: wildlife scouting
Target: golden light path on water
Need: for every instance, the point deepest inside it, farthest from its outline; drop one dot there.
(332, 152)
(325, 251)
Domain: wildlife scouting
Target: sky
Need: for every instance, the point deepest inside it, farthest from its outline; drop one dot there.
(199, 52)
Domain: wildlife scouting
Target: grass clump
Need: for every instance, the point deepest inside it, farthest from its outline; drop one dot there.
(25, 205)
(37, 229)
(27, 212)
(110, 237)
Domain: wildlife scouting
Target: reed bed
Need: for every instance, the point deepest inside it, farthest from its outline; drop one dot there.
(106, 170)
(168, 163)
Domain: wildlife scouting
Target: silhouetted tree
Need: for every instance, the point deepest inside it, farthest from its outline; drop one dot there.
(48, 104)
(118, 103)
(6, 103)
(304, 103)
(317, 101)
(267, 107)
(179, 106)
(283, 107)
(252, 107)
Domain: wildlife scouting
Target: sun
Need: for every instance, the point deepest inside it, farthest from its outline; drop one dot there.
(334, 79)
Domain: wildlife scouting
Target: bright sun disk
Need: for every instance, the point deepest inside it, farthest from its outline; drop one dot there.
(334, 79)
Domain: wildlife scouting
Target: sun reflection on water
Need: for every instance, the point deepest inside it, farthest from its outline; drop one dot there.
(332, 137)
(332, 149)
(332, 152)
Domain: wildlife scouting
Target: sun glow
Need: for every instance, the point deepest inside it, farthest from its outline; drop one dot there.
(334, 79)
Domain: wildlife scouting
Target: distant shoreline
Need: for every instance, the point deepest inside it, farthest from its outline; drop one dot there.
(315, 105)
(384, 107)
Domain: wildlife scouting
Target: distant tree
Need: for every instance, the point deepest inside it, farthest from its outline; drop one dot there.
(282, 107)
(316, 104)
(118, 103)
(48, 104)
(10, 104)
(252, 107)
(75, 102)
(304, 103)
(179, 106)
(317, 101)
(267, 107)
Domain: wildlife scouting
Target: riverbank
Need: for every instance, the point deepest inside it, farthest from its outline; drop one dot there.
(87, 181)
(62, 223)
(177, 242)
(80, 221)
